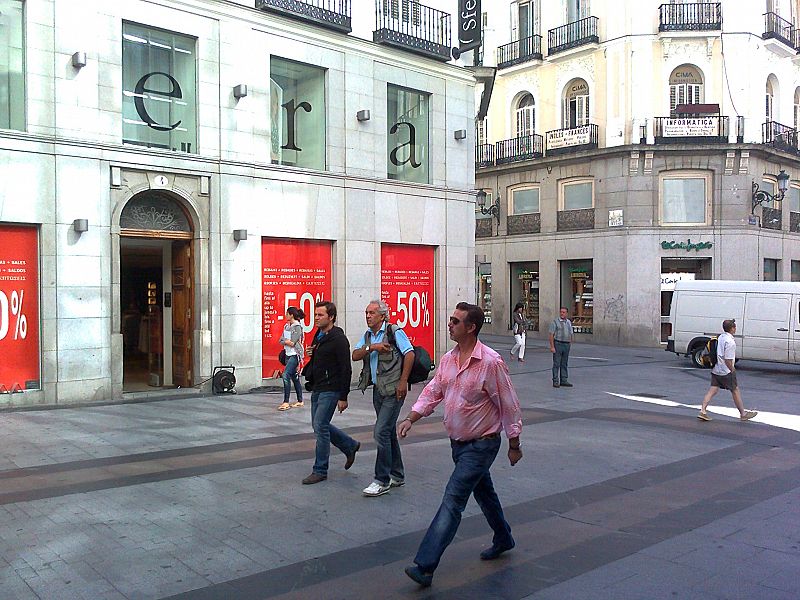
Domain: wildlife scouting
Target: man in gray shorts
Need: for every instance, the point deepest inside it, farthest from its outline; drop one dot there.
(723, 375)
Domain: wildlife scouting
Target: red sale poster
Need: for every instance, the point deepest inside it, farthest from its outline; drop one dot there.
(294, 273)
(19, 307)
(407, 286)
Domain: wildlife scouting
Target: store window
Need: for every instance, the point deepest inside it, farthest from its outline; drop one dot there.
(484, 288)
(577, 293)
(674, 270)
(159, 89)
(771, 269)
(524, 201)
(297, 114)
(12, 73)
(796, 270)
(685, 87)
(408, 118)
(685, 198)
(576, 194)
(525, 289)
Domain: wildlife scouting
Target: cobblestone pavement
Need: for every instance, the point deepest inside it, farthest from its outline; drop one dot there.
(621, 494)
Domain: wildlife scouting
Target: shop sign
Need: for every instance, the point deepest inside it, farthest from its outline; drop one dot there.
(469, 24)
(19, 308)
(294, 273)
(668, 280)
(615, 218)
(688, 245)
(407, 286)
(691, 127)
(563, 138)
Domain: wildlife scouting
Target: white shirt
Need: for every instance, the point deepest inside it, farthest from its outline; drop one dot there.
(726, 348)
(287, 335)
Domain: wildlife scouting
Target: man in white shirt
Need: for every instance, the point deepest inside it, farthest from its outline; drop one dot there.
(723, 375)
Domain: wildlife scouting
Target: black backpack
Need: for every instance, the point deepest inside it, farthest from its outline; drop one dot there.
(423, 364)
(709, 354)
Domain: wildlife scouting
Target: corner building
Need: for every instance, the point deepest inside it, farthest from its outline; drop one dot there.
(174, 175)
(623, 141)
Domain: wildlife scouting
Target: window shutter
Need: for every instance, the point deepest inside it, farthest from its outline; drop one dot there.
(514, 21)
(565, 119)
(583, 9)
(673, 98)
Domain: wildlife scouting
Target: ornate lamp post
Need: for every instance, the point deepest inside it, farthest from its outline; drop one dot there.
(492, 209)
(760, 196)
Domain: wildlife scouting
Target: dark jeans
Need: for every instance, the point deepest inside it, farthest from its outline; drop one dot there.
(290, 375)
(560, 359)
(323, 405)
(470, 476)
(389, 461)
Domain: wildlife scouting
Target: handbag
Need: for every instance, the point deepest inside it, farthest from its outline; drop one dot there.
(282, 357)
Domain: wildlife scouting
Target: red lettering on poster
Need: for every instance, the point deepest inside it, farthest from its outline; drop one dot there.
(407, 286)
(294, 273)
(19, 307)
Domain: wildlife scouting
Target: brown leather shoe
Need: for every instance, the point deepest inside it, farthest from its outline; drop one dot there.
(351, 458)
(314, 478)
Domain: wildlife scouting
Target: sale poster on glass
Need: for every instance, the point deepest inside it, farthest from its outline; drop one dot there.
(407, 286)
(294, 273)
(19, 307)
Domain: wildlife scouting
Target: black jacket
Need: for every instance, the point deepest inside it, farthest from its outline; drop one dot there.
(330, 369)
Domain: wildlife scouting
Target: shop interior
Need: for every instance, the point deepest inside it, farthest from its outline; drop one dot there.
(672, 271)
(525, 289)
(577, 293)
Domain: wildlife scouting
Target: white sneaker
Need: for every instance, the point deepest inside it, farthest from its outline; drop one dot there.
(396, 482)
(376, 488)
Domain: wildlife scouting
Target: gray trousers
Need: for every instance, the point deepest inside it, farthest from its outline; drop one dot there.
(560, 360)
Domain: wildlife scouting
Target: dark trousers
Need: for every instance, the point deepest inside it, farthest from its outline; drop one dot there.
(323, 405)
(389, 461)
(560, 360)
(290, 375)
(470, 476)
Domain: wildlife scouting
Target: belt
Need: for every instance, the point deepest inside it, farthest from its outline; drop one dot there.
(489, 436)
(561, 342)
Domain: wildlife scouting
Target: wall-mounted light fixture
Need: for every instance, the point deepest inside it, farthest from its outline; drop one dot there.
(460, 134)
(363, 115)
(239, 235)
(80, 225)
(240, 91)
(493, 209)
(79, 60)
(761, 196)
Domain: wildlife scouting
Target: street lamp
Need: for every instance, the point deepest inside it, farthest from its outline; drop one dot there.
(761, 196)
(492, 209)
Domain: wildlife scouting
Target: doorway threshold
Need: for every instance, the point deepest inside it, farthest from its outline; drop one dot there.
(162, 394)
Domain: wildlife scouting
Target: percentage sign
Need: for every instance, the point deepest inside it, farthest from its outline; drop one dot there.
(425, 312)
(21, 324)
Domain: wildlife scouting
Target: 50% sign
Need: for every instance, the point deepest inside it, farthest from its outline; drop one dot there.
(414, 309)
(11, 310)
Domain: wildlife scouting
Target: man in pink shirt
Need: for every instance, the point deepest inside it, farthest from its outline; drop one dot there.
(479, 401)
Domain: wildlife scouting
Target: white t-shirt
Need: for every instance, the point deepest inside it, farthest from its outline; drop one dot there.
(287, 335)
(726, 348)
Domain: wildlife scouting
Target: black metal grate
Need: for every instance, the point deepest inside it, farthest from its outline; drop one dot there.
(572, 35)
(520, 51)
(484, 155)
(777, 28)
(332, 14)
(701, 16)
(414, 27)
(780, 136)
(526, 147)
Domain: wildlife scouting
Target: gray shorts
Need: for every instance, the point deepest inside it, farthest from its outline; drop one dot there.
(725, 382)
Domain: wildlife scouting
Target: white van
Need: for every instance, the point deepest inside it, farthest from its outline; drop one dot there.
(767, 315)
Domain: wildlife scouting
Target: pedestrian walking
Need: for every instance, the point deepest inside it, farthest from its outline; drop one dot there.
(292, 342)
(387, 366)
(561, 337)
(479, 402)
(328, 375)
(723, 375)
(518, 329)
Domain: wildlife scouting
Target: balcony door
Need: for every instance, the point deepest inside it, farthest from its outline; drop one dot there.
(685, 87)
(576, 104)
(577, 10)
(526, 116)
(524, 19)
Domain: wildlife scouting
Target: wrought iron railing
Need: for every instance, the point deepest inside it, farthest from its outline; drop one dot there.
(520, 51)
(484, 155)
(679, 130)
(777, 28)
(333, 14)
(572, 35)
(701, 16)
(414, 27)
(525, 147)
(779, 135)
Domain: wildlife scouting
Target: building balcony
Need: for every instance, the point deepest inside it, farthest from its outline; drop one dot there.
(575, 220)
(483, 226)
(573, 139)
(526, 147)
(779, 35)
(484, 155)
(771, 218)
(705, 129)
(413, 27)
(702, 16)
(520, 51)
(331, 14)
(779, 136)
(523, 224)
(573, 35)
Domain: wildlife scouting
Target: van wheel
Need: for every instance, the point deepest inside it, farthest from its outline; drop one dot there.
(695, 354)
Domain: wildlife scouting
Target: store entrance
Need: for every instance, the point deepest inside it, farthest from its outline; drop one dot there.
(674, 270)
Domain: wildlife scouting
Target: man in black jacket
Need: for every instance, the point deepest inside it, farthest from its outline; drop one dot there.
(328, 375)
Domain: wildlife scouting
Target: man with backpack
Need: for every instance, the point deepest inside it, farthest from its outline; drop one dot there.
(723, 374)
(388, 358)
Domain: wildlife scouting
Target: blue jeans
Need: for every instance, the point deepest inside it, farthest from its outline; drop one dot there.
(560, 358)
(389, 461)
(470, 476)
(323, 405)
(290, 375)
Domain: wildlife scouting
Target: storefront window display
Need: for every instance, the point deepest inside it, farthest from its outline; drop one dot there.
(408, 122)
(484, 288)
(525, 289)
(674, 270)
(577, 293)
(12, 74)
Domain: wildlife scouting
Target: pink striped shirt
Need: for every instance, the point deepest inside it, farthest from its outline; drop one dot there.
(479, 398)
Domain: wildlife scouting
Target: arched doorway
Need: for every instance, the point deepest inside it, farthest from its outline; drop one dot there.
(576, 104)
(685, 87)
(156, 292)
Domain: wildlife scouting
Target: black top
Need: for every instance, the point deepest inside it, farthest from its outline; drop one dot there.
(330, 369)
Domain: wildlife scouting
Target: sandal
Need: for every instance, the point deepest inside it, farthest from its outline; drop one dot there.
(298, 404)
(285, 406)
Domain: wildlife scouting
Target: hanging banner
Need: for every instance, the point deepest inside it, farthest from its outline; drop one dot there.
(294, 273)
(19, 308)
(407, 286)
(469, 24)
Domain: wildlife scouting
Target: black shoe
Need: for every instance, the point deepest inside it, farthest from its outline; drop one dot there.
(566, 384)
(351, 458)
(314, 478)
(556, 384)
(495, 551)
(418, 575)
